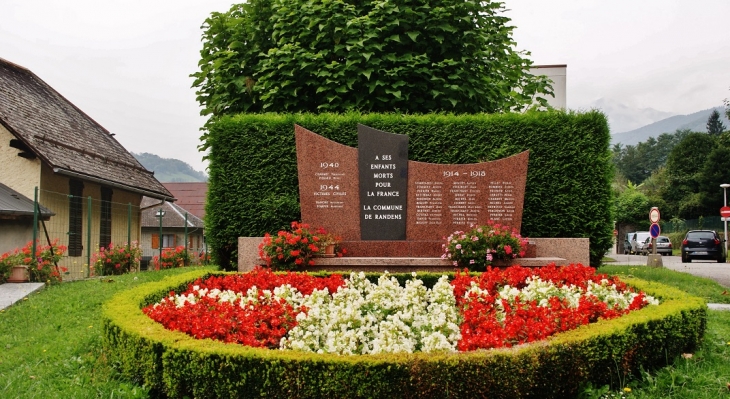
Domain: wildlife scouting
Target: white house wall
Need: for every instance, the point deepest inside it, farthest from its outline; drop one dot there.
(20, 174)
(556, 73)
(15, 234)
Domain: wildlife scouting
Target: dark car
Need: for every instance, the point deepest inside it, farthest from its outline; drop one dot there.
(663, 246)
(702, 244)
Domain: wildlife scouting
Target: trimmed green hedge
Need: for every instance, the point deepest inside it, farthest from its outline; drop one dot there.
(253, 187)
(176, 365)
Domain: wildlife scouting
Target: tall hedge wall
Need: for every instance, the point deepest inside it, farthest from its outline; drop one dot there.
(253, 172)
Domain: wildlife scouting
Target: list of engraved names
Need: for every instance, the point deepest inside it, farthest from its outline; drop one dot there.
(501, 206)
(459, 199)
(330, 191)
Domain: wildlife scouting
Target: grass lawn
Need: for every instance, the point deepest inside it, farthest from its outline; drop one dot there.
(51, 344)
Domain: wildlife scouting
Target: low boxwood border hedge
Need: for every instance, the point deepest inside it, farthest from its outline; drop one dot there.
(175, 365)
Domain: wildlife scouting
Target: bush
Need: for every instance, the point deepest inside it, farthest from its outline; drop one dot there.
(253, 168)
(117, 259)
(176, 365)
(177, 257)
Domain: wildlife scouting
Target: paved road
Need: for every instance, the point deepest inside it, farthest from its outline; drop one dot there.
(719, 272)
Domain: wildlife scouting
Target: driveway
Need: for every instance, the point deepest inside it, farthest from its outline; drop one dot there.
(719, 272)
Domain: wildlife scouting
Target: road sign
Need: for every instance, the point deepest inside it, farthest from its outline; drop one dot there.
(725, 211)
(655, 230)
(654, 215)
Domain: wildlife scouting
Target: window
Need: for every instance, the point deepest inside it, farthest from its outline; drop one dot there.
(105, 223)
(75, 218)
(168, 241)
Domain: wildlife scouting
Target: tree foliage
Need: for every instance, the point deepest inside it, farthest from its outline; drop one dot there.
(637, 163)
(685, 167)
(714, 124)
(376, 56)
(632, 206)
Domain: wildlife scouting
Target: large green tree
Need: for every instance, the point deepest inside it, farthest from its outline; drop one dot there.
(714, 123)
(687, 167)
(414, 56)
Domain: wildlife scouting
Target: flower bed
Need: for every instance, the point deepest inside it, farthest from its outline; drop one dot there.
(175, 364)
(499, 308)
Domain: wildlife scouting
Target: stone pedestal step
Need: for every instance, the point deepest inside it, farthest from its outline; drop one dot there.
(407, 265)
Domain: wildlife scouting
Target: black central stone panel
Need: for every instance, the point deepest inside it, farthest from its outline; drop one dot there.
(383, 166)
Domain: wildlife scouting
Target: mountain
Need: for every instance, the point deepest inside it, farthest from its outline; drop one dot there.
(696, 122)
(622, 118)
(170, 170)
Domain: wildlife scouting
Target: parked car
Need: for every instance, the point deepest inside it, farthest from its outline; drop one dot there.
(663, 246)
(637, 241)
(703, 244)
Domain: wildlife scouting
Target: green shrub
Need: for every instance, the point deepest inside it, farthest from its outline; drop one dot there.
(253, 186)
(177, 365)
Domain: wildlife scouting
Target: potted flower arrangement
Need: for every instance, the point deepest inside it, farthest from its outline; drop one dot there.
(118, 259)
(295, 248)
(22, 265)
(177, 257)
(478, 247)
(328, 243)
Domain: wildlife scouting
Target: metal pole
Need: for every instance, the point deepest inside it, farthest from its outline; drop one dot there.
(129, 224)
(88, 235)
(186, 236)
(724, 189)
(159, 260)
(36, 209)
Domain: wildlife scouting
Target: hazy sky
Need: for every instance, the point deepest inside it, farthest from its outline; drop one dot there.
(126, 63)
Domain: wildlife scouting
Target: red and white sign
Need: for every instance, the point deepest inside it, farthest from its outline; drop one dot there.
(725, 211)
(654, 215)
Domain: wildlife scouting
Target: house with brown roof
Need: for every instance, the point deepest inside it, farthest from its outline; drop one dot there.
(190, 195)
(167, 225)
(82, 174)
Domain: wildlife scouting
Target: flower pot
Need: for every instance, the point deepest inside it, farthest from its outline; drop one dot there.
(19, 274)
(329, 251)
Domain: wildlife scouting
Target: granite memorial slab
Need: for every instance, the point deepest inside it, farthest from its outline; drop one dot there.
(383, 167)
(419, 203)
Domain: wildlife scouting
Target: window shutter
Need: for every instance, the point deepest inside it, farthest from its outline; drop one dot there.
(155, 241)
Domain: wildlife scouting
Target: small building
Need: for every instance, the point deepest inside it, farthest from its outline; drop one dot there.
(190, 195)
(558, 75)
(166, 225)
(16, 219)
(90, 184)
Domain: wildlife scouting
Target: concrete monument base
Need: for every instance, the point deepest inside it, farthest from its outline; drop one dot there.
(543, 251)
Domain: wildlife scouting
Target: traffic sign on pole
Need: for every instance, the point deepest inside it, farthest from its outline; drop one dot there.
(654, 215)
(655, 230)
(725, 211)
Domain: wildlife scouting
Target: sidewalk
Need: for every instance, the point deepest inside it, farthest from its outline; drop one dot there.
(14, 292)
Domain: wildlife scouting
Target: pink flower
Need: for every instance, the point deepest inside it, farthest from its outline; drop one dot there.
(508, 249)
